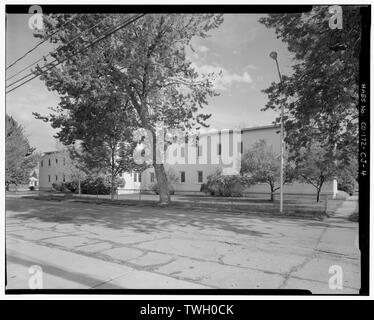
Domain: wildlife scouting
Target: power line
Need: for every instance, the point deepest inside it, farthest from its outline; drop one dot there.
(50, 54)
(39, 43)
(56, 50)
(118, 27)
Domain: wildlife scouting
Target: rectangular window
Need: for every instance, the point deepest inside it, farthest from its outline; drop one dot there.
(240, 146)
(183, 176)
(199, 151)
(152, 177)
(49, 178)
(49, 161)
(41, 163)
(200, 177)
(219, 149)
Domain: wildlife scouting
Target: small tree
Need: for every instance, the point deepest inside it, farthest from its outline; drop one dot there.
(315, 165)
(19, 157)
(262, 164)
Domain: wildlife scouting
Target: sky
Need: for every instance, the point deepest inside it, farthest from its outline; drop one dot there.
(239, 48)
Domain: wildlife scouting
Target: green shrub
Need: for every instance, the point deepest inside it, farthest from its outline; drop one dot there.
(59, 186)
(347, 183)
(72, 186)
(96, 185)
(225, 185)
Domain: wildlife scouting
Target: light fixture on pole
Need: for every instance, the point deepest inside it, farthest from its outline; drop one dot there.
(274, 56)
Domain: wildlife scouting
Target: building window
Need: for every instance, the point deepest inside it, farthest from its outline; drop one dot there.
(240, 146)
(199, 151)
(200, 177)
(152, 177)
(219, 149)
(49, 161)
(183, 176)
(49, 178)
(56, 161)
(41, 163)
(56, 178)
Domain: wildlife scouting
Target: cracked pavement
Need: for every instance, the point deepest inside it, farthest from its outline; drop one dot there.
(151, 247)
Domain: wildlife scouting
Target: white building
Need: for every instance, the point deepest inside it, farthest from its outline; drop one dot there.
(54, 167)
(191, 162)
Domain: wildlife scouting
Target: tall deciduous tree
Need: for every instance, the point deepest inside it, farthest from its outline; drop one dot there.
(262, 164)
(321, 95)
(19, 158)
(143, 65)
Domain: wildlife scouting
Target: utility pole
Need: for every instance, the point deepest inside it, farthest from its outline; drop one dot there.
(274, 56)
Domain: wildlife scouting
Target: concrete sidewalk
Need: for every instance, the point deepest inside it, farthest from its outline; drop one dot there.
(67, 270)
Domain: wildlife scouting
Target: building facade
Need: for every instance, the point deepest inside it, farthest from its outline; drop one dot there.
(190, 162)
(54, 167)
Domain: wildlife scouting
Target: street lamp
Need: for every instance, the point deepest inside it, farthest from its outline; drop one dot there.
(274, 56)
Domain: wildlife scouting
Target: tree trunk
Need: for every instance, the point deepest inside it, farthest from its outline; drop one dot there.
(112, 187)
(79, 186)
(271, 192)
(318, 192)
(162, 180)
(162, 183)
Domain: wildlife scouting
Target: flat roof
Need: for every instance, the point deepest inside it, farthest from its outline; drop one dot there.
(271, 126)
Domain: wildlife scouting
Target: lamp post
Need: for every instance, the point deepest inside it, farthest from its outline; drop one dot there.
(274, 56)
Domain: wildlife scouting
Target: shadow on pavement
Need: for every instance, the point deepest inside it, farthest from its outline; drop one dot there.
(139, 219)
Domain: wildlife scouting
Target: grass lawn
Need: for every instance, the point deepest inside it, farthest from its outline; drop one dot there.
(294, 205)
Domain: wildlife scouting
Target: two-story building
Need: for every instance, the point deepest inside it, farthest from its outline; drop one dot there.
(191, 162)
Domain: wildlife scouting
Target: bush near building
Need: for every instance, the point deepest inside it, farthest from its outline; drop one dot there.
(96, 185)
(60, 186)
(222, 185)
(90, 185)
(347, 183)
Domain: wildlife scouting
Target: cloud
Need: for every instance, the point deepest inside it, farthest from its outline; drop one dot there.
(203, 48)
(251, 66)
(223, 77)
